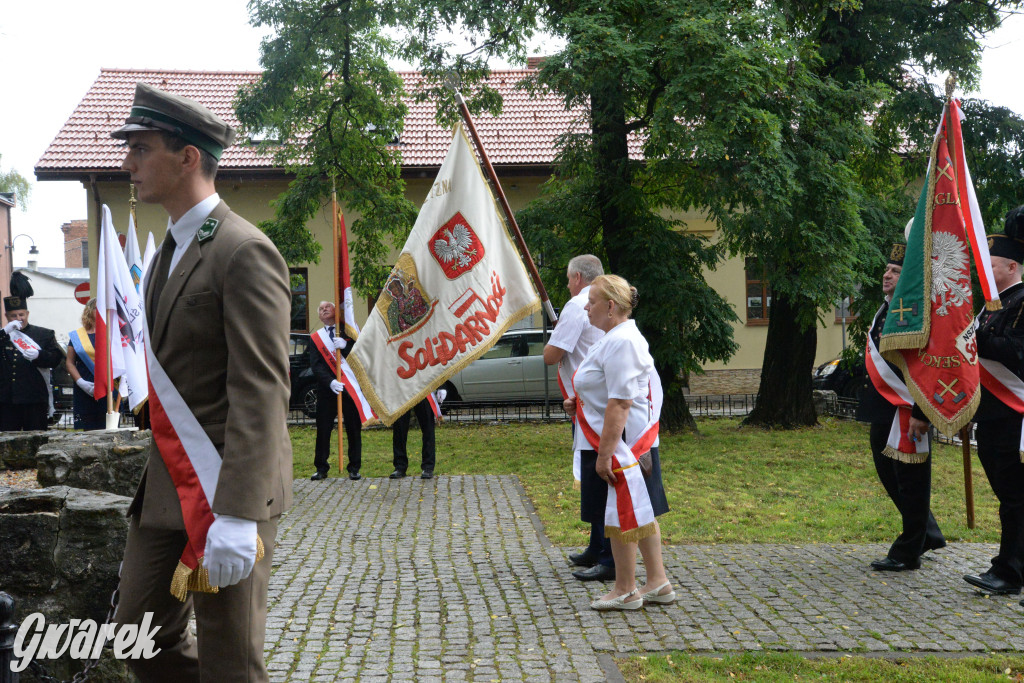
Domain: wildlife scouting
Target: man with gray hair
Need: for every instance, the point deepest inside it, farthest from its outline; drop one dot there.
(572, 338)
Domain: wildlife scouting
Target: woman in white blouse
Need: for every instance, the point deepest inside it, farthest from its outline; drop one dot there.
(617, 401)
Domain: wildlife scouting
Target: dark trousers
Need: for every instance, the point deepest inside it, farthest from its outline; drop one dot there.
(230, 624)
(999, 452)
(23, 417)
(326, 412)
(593, 497)
(909, 485)
(400, 435)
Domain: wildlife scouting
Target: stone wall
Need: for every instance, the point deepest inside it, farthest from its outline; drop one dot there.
(715, 382)
(101, 461)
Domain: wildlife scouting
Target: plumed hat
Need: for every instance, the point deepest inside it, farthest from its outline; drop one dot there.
(21, 290)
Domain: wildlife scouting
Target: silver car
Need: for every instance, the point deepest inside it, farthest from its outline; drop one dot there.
(511, 370)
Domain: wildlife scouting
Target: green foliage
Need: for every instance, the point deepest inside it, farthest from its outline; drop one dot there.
(12, 181)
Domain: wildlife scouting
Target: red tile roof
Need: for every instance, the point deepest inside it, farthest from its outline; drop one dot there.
(524, 135)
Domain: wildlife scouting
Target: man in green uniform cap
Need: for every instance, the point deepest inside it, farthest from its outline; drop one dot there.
(219, 474)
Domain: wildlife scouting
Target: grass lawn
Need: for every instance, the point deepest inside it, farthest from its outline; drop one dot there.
(765, 667)
(727, 485)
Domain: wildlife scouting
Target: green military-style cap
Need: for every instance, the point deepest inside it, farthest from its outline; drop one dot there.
(154, 109)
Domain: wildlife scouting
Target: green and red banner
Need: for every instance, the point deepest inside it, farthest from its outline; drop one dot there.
(929, 330)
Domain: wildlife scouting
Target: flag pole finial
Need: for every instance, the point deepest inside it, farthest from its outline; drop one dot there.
(950, 85)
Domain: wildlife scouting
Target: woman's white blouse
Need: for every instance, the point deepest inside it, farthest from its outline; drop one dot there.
(619, 365)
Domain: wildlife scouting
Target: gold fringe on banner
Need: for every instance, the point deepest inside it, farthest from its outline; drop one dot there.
(576, 484)
(996, 305)
(185, 579)
(910, 458)
(633, 535)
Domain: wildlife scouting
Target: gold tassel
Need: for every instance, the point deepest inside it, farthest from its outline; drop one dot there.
(633, 535)
(185, 579)
(996, 305)
(576, 484)
(910, 458)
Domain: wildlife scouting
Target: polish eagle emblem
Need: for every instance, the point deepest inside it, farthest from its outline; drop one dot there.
(951, 284)
(456, 245)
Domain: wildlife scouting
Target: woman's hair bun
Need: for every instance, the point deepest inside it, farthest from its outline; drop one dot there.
(634, 297)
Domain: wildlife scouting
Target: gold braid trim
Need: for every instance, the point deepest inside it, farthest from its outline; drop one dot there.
(911, 458)
(996, 305)
(633, 535)
(185, 579)
(576, 484)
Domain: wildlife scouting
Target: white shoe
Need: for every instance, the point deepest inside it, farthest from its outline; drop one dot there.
(619, 603)
(653, 596)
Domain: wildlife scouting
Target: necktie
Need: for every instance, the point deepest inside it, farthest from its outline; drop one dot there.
(330, 331)
(163, 269)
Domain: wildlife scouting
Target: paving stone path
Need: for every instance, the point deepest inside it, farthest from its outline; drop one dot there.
(453, 579)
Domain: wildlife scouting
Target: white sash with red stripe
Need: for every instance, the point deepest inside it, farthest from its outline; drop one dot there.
(577, 458)
(23, 342)
(899, 446)
(628, 514)
(194, 465)
(325, 345)
(1006, 386)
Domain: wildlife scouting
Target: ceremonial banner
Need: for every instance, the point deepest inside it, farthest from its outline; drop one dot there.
(458, 284)
(132, 255)
(929, 330)
(120, 322)
(351, 326)
(147, 258)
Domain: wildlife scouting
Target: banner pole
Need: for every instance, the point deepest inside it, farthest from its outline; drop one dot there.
(493, 177)
(965, 440)
(337, 328)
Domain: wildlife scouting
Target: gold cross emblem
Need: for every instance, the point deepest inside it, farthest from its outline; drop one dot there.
(901, 310)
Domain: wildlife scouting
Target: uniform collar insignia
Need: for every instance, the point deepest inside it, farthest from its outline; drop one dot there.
(207, 230)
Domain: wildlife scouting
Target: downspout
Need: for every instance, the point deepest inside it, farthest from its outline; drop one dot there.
(99, 217)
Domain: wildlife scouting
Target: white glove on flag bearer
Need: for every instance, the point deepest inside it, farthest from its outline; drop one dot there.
(230, 550)
(12, 326)
(336, 386)
(458, 284)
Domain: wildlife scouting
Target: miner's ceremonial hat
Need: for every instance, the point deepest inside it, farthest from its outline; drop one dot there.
(21, 290)
(897, 254)
(1011, 243)
(154, 109)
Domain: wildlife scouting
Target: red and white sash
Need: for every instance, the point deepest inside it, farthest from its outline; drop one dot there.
(194, 465)
(23, 343)
(628, 514)
(894, 390)
(1006, 386)
(325, 345)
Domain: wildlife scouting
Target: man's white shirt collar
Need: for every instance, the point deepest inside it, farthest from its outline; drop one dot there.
(184, 231)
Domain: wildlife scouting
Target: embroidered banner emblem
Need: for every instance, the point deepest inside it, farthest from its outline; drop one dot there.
(456, 247)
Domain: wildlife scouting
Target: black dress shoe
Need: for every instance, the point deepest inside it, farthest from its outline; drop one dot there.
(427, 474)
(887, 564)
(935, 545)
(583, 559)
(397, 474)
(355, 476)
(318, 476)
(598, 572)
(990, 583)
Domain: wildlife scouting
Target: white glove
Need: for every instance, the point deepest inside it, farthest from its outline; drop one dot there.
(339, 343)
(230, 550)
(337, 386)
(440, 395)
(86, 386)
(30, 353)
(12, 326)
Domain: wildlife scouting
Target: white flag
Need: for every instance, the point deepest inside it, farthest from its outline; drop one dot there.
(459, 283)
(132, 255)
(147, 258)
(119, 321)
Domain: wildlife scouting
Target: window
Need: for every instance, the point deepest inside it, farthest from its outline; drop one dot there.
(300, 299)
(843, 312)
(759, 293)
(85, 253)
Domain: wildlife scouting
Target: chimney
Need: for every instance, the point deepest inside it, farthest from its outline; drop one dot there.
(535, 62)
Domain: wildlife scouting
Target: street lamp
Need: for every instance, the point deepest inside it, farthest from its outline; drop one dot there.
(32, 251)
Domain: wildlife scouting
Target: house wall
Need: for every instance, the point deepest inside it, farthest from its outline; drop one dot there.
(6, 255)
(53, 305)
(251, 199)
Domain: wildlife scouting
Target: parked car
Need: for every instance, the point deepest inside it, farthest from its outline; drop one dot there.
(845, 378)
(511, 370)
(303, 382)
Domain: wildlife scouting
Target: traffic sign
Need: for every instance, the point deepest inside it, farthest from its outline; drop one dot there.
(82, 293)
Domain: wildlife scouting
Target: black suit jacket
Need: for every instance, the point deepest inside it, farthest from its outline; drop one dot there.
(1001, 338)
(321, 370)
(21, 381)
(873, 407)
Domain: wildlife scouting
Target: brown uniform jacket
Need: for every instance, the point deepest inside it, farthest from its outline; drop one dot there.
(220, 331)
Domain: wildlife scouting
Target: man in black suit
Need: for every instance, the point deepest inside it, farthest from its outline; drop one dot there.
(327, 389)
(27, 352)
(907, 478)
(1001, 348)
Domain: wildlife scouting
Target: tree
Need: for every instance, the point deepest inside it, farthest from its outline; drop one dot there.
(13, 182)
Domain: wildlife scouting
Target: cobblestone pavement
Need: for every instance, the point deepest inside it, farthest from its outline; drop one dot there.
(452, 579)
